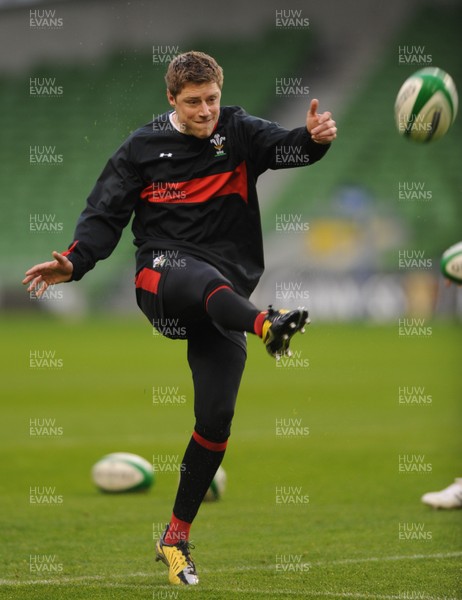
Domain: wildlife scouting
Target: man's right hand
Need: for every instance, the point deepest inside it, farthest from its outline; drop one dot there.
(48, 273)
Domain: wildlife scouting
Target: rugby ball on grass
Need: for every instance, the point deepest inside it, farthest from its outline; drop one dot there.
(426, 105)
(217, 487)
(451, 263)
(122, 472)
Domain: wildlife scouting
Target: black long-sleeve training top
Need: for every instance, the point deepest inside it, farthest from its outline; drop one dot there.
(195, 196)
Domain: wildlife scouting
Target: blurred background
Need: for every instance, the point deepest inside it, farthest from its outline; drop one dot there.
(77, 77)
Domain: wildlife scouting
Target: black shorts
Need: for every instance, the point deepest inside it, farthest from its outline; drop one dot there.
(172, 294)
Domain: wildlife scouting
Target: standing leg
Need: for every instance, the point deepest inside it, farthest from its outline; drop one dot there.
(217, 363)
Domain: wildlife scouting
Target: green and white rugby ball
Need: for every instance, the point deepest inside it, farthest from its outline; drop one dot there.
(122, 472)
(426, 105)
(451, 263)
(217, 487)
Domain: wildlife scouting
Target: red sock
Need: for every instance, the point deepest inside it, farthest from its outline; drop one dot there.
(258, 325)
(178, 531)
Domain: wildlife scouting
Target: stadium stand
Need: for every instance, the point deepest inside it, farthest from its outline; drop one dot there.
(372, 158)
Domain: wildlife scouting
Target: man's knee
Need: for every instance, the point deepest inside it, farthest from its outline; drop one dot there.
(216, 427)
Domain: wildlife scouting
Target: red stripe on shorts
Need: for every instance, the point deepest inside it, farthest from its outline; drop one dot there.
(148, 280)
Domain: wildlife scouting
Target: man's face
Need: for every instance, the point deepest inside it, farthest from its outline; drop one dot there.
(197, 108)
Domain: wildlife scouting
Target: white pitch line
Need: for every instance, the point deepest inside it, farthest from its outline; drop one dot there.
(325, 594)
(342, 561)
(284, 592)
(347, 561)
(78, 579)
(273, 592)
(88, 579)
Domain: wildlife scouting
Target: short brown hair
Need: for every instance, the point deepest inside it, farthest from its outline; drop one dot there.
(194, 67)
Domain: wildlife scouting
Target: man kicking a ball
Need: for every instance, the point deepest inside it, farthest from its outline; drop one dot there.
(189, 178)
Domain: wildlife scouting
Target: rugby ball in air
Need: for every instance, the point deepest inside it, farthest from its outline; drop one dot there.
(451, 263)
(217, 487)
(426, 105)
(122, 472)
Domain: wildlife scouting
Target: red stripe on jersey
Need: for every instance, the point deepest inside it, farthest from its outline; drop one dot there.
(214, 446)
(148, 280)
(69, 250)
(200, 189)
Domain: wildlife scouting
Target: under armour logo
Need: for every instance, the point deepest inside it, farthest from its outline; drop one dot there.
(167, 154)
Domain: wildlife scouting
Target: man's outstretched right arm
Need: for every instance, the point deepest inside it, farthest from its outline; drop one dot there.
(109, 209)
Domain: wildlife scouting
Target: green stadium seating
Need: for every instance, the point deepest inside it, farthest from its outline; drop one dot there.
(370, 155)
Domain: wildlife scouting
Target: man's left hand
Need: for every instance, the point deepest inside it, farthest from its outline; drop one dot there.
(321, 127)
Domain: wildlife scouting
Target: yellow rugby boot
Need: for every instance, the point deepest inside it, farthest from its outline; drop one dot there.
(278, 328)
(181, 567)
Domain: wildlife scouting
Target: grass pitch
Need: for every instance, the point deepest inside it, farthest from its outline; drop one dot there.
(317, 505)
